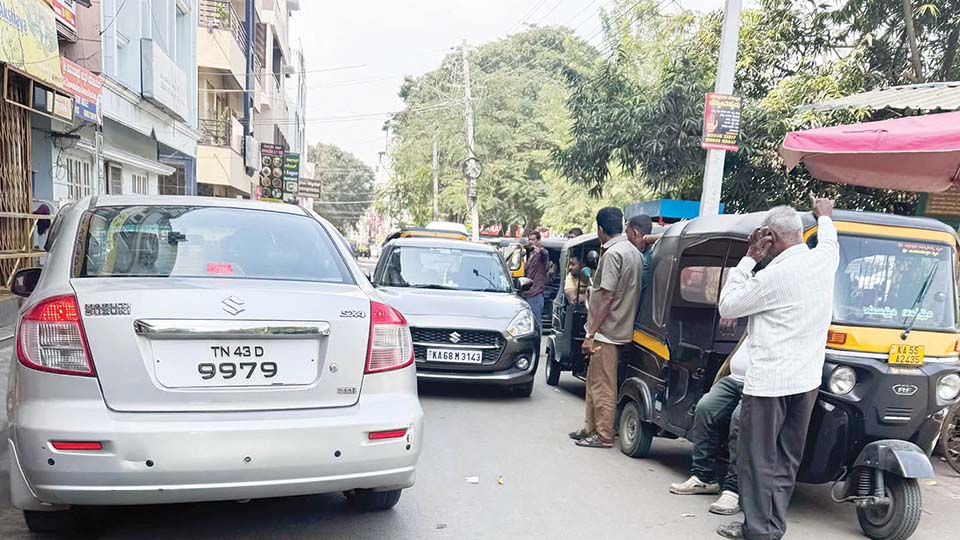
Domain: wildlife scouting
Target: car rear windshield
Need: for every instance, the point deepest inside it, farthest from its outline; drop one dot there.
(194, 241)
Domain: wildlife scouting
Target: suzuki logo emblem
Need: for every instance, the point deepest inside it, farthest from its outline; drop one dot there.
(905, 389)
(233, 305)
(454, 337)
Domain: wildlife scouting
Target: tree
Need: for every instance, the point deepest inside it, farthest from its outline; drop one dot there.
(520, 95)
(346, 185)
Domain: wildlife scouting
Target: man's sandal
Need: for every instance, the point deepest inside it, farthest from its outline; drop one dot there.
(594, 441)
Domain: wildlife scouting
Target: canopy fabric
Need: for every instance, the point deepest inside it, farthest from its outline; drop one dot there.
(918, 153)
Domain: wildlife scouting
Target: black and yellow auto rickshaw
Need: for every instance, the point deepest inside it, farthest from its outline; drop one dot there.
(891, 366)
(514, 252)
(426, 232)
(563, 351)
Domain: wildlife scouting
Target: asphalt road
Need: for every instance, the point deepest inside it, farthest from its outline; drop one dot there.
(551, 489)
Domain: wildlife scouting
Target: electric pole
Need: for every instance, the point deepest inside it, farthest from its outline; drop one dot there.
(436, 179)
(468, 114)
(713, 170)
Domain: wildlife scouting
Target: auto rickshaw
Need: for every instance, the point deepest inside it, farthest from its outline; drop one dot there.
(514, 252)
(569, 318)
(891, 367)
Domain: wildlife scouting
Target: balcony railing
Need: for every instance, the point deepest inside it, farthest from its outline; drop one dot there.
(220, 14)
(215, 132)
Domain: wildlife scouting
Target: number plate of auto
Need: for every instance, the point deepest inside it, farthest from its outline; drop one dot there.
(225, 363)
(456, 356)
(906, 355)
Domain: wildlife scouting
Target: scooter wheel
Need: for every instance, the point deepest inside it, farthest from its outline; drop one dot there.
(900, 518)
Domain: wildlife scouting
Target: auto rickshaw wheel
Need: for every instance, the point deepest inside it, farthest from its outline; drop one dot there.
(897, 520)
(552, 369)
(950, 438)
(636, 436)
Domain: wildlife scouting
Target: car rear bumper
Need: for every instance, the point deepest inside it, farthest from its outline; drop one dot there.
(180, 457)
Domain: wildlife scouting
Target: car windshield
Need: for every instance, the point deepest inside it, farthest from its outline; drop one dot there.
(191, 241)
(445, 268)
(879, 283)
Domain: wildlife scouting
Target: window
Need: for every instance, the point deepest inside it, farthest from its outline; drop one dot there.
(79, 178)
(446, 268)
(140, 185)
(207, 242)
(175, 184)
(702, 284)
(116, 180)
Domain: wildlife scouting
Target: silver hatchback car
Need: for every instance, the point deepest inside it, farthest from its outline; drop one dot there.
(181, 349)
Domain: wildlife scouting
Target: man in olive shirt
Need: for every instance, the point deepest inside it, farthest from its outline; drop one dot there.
(610, 315)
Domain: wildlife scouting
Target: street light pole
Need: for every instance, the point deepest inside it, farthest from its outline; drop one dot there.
(713, 170)
(436, 179)
(468, 114)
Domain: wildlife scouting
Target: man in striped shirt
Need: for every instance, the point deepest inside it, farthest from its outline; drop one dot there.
(790, 306)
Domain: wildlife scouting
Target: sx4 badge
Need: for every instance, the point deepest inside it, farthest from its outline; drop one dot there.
(905, 389)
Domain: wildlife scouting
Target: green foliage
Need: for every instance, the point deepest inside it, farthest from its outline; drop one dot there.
(519, 98)
(343, 179)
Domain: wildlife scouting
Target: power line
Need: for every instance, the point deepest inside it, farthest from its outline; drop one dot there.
(116, 15)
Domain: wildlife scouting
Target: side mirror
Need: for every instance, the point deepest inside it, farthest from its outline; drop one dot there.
(593, 259)
(524, 284)
(25, 281)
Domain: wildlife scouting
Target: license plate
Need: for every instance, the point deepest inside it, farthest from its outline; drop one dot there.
(906, 355)
(218, 363)
(458, 356)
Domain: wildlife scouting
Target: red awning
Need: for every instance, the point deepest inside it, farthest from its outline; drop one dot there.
(918, 153)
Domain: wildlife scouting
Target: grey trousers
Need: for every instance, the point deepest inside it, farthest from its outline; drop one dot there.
(773, 433)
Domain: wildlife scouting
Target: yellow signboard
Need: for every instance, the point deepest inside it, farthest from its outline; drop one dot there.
(28, 39)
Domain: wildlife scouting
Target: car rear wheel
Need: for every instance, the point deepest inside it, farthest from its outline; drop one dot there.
(372, 501)
(552, 369)
(636, 436)
(899, 519)
(63, 521)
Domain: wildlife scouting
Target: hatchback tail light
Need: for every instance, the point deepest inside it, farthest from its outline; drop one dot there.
(50, 338)
(390, 346)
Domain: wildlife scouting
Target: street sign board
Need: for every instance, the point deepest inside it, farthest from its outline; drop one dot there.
(271, 172)
(721, 122)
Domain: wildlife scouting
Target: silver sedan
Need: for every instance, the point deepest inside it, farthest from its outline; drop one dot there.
(178, 349)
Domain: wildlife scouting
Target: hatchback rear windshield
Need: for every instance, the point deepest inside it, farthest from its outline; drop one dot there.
(191, 241)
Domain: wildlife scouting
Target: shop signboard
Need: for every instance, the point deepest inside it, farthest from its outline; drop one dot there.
(28, 39)
(309, 188)
(86, 89)
(271, 172)
(164, 83)
(721, 122)
(291, 177)
(66, 12)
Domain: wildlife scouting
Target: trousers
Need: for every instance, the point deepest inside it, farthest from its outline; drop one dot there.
(716, 413)
(602, 391)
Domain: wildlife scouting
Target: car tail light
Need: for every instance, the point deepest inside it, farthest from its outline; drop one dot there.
(836, 338)
(392, 434)
(76, 445)
(50, 338)
(390, 346)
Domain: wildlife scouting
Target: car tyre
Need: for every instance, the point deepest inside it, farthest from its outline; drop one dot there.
(552, 369)
(900, 519)
(373, 501)
(62, 521)
(636, 436)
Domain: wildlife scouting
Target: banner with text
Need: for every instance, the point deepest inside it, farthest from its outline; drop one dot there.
(271, 172)
(86, 88)
(28, 39)
(721, 122)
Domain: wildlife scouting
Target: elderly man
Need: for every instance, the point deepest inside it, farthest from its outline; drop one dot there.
(789, 305)
(610, 315)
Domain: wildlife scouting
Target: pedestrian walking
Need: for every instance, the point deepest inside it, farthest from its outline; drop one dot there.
(790, 306)
(612, 308)
(535, 269)
(718, 412)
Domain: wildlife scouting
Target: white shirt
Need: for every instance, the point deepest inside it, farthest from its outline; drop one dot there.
(740, 362)
(790, 306)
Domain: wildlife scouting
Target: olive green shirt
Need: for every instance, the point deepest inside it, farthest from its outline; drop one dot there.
(620, 271)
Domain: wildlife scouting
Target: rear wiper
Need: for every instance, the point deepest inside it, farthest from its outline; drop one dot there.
(919, 301)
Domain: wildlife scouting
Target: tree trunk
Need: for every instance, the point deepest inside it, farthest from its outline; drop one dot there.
(950, 54)
(912, 40)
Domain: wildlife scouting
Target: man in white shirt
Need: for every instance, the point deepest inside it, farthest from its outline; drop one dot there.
(790, 306)
(716, 413)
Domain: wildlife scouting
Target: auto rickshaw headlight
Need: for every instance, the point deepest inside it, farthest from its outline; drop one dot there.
(842, 380)
(522, 324)
(949, 387)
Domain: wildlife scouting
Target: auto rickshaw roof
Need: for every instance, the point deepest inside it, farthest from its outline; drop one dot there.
(742, 225)
(547, 243)
(580, 240)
